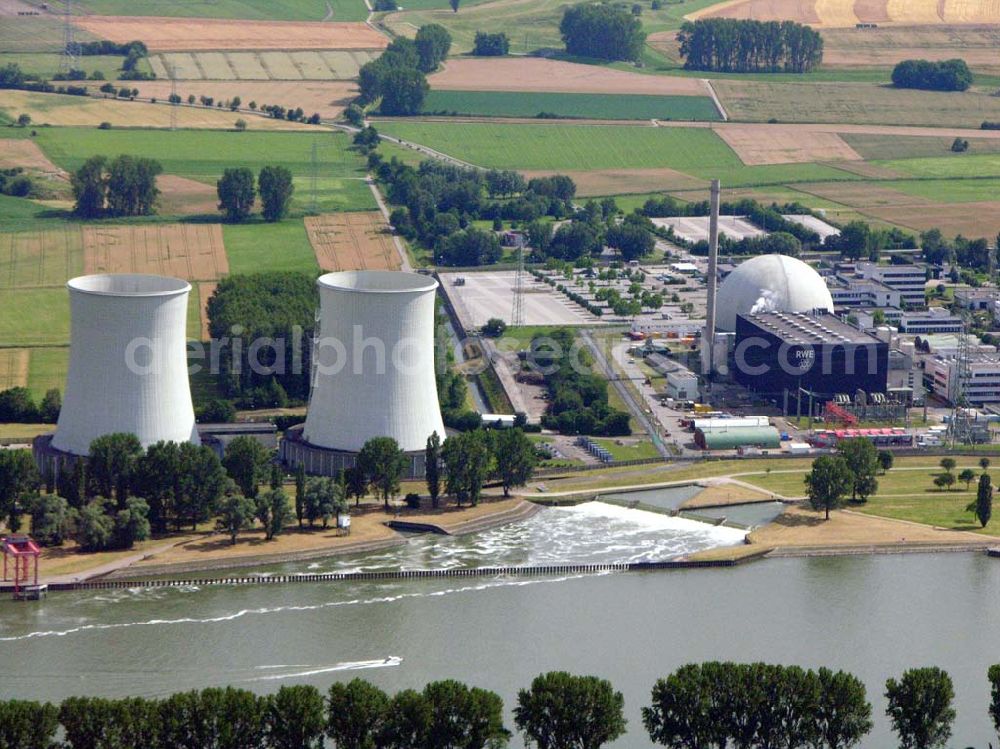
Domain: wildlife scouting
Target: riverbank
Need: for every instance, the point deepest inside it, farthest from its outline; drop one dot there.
(209, 550)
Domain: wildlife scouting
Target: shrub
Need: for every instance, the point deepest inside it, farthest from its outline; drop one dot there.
(946, 75)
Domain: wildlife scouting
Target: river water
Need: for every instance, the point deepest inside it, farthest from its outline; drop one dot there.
(874, 615)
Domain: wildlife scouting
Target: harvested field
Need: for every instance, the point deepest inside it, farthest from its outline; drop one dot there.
(763, 144)
(187, 34)
(189, 251)
(280, 66)
(319, 65)
(79, 111)
(885, 47)
(247, 66)
(329, 98)
(14, 8)
(180, 196)
(971, 219)
(205, 291)
(539, 74)
(13, 368)
(44, 257)
(25, 154)
(626, 181)
(352, 241)
(847, 13)
(854, 103)
(215, 66)
(862, 195)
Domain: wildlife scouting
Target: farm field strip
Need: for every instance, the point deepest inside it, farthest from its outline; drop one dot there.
(188, 251)
(328, 98)
(164, 34)
(265, 65)
(24, 153)
(13, 367)
(847, 13)
(44, 257)
(885, 47)
(286, 10)
(280, 66)
(352, 241)
(583, 106)
(215, 66)
(757, 145)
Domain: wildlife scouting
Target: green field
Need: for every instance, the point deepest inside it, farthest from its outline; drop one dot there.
(46, 64)
(696, 151)
(582, 106)
(286, 10)
(877, 147)
(34, 317)
(203, 155)
(948, 190)
(260, 247)
(47, 369)
(944, 167)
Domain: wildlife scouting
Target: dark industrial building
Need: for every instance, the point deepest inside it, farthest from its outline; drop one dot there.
(779, 351)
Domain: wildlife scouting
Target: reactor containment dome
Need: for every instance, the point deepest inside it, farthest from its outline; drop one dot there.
(770, 283)
(374, 362)
(127, 362)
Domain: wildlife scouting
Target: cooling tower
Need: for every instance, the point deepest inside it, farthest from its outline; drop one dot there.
(374, 362)
(127, 362)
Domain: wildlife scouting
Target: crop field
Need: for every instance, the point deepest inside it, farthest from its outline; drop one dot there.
(46, 64)
(24, 153)
(208, 34)
(260, 247)
(352, 241)
(13, 367)
(275, 65)
(847, 13)
(949, 191)
(80, 111)
(539, 74)
(758, 144)
(626, 181)
(44, 257)
(942, 167)
(180, 196)
(286, 10)
(857, 103)
(188, 251)
(34, 34)
(892, 147)
(583, 106)
(698, 152)
(884, 47)
(34, 317)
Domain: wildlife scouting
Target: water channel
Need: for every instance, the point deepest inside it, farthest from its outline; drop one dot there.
(873, 615)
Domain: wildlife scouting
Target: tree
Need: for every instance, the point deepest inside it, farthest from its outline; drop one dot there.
(17, 406)
(51, 405)
(494, 327)
(828, 482)
(861, 457)
(943, 75)
(748, 46)
(382, 463)
(920, 708)
(993, 674)
(407, 722)
(680, 715)
(984, 463)
(28, 725)
(18, 479)
(403, 91)
(606, 32)
(454, 5)
(272, 512)
(236, 193)
(562, 711)
(94, 527)
(515, 458)
(131, 523)
(131, 186)
(463, 717)
(276, 188)
(355, 484)
(300, 492)
(466, 458)
(491, 45)
(844, 715)
(432, 468)
(885, 460)
(51, 519)
(633, 242)
(246, 461)
(23, 120)
(948, 464)
(236, 513)
(357, 714)
(983, 506)
(111, 465)
(433, 42)
(967, 476)
(323, 498)
(296, 718)
(90, 189)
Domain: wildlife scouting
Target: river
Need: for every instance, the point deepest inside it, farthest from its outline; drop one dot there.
(873, 615)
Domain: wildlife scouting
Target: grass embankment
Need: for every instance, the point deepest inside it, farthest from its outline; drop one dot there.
(582, 106)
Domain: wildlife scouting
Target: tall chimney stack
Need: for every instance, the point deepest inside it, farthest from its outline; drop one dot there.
(708, 338)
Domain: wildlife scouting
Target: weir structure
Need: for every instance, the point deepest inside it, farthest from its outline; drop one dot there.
(373, 371)
(127, 366)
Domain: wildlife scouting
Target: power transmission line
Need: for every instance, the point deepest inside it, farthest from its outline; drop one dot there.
(70, 57)
(517, 312)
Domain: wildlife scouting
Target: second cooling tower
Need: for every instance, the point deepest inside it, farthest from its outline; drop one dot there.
(374, 362)
(127, 362)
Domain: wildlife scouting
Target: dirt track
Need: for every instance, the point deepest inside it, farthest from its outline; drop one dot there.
(178, 34)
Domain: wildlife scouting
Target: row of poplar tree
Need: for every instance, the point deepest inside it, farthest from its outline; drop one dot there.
(699, 706)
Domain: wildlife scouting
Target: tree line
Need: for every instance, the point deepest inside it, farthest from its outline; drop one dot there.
(943, 75)
(697, 706)
(396, 82)
(238, 193)
(123, 186)
(732, 45)
(490, 45)
(18, 406)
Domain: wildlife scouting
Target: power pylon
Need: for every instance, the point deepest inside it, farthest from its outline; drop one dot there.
(70, 56)
(517, 311)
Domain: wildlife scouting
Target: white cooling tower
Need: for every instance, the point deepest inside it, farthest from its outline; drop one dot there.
(374, 361)
(127, 362)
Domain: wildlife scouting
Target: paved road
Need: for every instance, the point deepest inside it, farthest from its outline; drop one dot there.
(637, 410)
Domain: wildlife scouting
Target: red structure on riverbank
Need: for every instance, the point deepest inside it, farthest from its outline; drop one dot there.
(17, 551)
